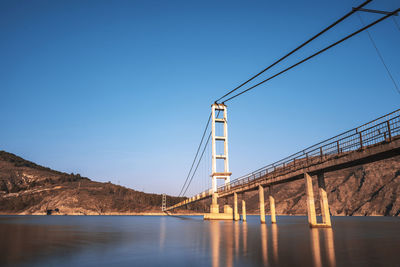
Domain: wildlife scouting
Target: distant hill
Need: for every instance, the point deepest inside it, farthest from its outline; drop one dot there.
(28, 188)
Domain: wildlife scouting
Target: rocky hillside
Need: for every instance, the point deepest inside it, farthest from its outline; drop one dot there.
(27, 188)
(371, 189)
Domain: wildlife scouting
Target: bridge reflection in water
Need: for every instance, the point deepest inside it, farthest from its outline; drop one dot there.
(316, 244)
(229, 245)
(190, 241)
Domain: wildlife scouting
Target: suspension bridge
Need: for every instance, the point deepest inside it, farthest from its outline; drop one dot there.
(373, 141)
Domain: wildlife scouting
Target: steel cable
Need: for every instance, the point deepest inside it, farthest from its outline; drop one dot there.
(197, 152)
(296, 49)
(380, 56)
(202, 153)
(315, 54)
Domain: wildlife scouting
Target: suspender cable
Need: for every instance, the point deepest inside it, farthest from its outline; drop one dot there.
(315, 54)
(202, 153)
(197, 152)
(395, 22)
(380, 56)
(297, 48)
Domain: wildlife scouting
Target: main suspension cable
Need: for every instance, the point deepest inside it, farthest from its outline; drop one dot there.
(197, 152)
(315, 54)
(297, 48)
(202, 153)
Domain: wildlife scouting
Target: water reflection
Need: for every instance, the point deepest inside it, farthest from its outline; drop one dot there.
(244, 230)
(315, 247)
(264, 240)
(316, 242)
(162, 232)
(330, 247)
(176, 241)
(34, 242)
(274, 230)
(229, 244)
(215, 240)
(236, 235)
(229, 235)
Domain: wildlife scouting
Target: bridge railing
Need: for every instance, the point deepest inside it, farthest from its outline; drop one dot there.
(377, 131)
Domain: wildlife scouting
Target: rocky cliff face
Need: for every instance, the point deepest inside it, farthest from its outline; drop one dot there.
(27, 188)
(371, 189)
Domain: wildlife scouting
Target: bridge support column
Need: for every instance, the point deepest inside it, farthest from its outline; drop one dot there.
(272, 205)
(326, 217)
(214, 208)
(312, 219)
(214, 211)
(244, 210)
(262, 206)
(236, 215)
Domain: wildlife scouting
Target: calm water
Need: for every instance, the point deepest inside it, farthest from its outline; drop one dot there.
(190, 241)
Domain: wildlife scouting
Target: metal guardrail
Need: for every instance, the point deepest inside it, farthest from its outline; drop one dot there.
(382, 129)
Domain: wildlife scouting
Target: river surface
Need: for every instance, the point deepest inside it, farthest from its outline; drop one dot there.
(190, 241)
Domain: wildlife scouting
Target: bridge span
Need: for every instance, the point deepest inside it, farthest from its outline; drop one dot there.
(376, 140)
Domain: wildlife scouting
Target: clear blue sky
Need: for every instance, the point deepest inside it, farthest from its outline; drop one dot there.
(120, 90)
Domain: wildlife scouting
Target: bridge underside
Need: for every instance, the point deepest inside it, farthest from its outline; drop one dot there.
(329, 164)
(325, 164)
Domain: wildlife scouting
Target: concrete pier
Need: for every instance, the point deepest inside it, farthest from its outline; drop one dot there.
(262, 206)
(236, 215)
(312, 219)
(214, 208)
(244, 211)
(228, 210)
(214, 211)
(272, 205)
(326, 217)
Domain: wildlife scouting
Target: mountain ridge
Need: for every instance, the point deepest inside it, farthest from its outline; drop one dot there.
(29, 188)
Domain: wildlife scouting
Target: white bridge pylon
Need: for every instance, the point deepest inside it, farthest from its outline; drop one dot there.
(216, 110)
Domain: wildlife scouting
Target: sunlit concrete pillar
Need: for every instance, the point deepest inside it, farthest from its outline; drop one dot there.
(272, 205)
(244, 211)
(312, 219)
(326, 218)
(228, 210)
(262, 206)
(214, 208)
(236, 215)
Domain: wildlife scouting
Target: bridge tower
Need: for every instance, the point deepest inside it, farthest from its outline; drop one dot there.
(216, 110)
(219, 133)
(164, 202)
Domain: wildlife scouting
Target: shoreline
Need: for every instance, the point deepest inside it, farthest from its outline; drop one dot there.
(163, 214)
